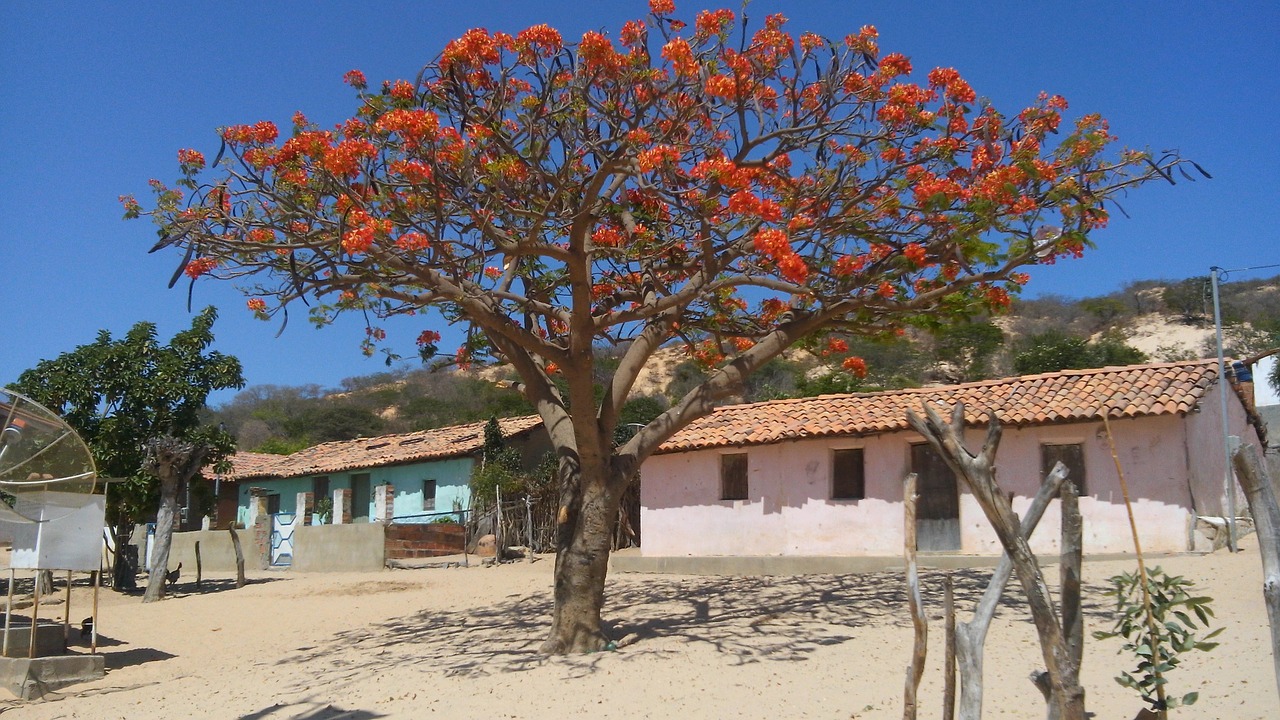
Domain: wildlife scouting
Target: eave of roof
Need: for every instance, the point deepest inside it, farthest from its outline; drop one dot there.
(1066, 396)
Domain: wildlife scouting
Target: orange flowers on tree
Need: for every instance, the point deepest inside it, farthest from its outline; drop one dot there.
(730, 190)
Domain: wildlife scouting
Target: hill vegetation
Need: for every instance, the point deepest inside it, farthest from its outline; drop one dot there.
(1145, 321)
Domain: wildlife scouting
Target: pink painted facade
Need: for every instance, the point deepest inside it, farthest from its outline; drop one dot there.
(1174, 465)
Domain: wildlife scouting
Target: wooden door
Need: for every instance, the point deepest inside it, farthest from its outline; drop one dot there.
(938, 508)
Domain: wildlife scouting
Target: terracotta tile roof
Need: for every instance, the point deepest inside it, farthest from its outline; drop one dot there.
(338, 456)
(1066, 396)
(245, 465)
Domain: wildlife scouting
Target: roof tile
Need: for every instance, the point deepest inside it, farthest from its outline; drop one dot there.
(338, 456)
(1069, 395)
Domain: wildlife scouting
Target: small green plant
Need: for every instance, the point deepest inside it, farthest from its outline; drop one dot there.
(1158, 627)
(323, 509)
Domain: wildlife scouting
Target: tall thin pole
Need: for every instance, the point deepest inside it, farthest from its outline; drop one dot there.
(1228, 481)
(8, 617)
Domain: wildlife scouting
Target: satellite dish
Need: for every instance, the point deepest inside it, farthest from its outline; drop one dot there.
(43, 461)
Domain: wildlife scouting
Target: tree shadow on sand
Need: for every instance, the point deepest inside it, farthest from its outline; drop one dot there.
(749, 619)
(308, 709)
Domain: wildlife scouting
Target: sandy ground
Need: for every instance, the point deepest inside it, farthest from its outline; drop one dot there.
(460, 643)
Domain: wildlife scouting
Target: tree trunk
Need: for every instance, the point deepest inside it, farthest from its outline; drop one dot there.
(1266, 518)
(584, 531)
(164, 535)
(44, 583)
(170, 460)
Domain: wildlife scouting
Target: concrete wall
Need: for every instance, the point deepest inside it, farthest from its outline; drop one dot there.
(1207, 457)
(217, 554)
(359, 547)
(789, 510)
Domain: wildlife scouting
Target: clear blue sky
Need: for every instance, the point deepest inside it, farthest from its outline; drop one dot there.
(95, 98)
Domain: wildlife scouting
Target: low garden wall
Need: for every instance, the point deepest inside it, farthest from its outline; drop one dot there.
(424, 540)
(217, 554)
(358, 547)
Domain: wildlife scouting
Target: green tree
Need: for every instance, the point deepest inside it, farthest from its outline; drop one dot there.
(500, 466)
(138, 404)
(1055, 350)
(325, 422)
(1188, 298)
(969, 345)
(735, 192)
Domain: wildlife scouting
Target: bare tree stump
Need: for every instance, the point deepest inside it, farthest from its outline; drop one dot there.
(972, 636)
(1266, 519)
(978, 473)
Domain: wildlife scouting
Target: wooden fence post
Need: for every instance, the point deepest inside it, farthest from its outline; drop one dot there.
(918, 620)
(1261, 496)
(978, 473)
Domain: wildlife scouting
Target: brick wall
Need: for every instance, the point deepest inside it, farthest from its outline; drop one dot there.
(423, 540)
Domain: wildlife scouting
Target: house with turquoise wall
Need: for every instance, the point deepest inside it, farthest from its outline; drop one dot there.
(430, 471)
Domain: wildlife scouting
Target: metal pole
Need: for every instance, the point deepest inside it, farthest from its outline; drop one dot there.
(1228, 481)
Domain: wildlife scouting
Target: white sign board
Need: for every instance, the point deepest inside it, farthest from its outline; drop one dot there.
(66, 533)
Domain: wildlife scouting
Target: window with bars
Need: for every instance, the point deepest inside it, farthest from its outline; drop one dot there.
(1072, 456)
(428, 494)
(733, 476)
(848, 480)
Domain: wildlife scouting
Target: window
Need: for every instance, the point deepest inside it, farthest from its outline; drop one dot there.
(428, 494)
(361, 497)
(733, 476)
(847, 479)
(1070, 455)
(320, 488)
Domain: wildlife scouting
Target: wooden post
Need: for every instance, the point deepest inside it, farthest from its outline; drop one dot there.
(971, 636)
(499, 539)
(235, 543)
(916, 670)
(978, 474)
(8, 617)
(949, 661)
(35, 619)
(66, 613)
(528, 523)
(1071, 568)
(1261, 496)
(93, 628)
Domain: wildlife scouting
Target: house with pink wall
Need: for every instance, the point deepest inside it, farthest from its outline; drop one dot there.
(823, 476)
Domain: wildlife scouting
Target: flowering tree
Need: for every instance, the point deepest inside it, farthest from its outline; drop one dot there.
(734, 192)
